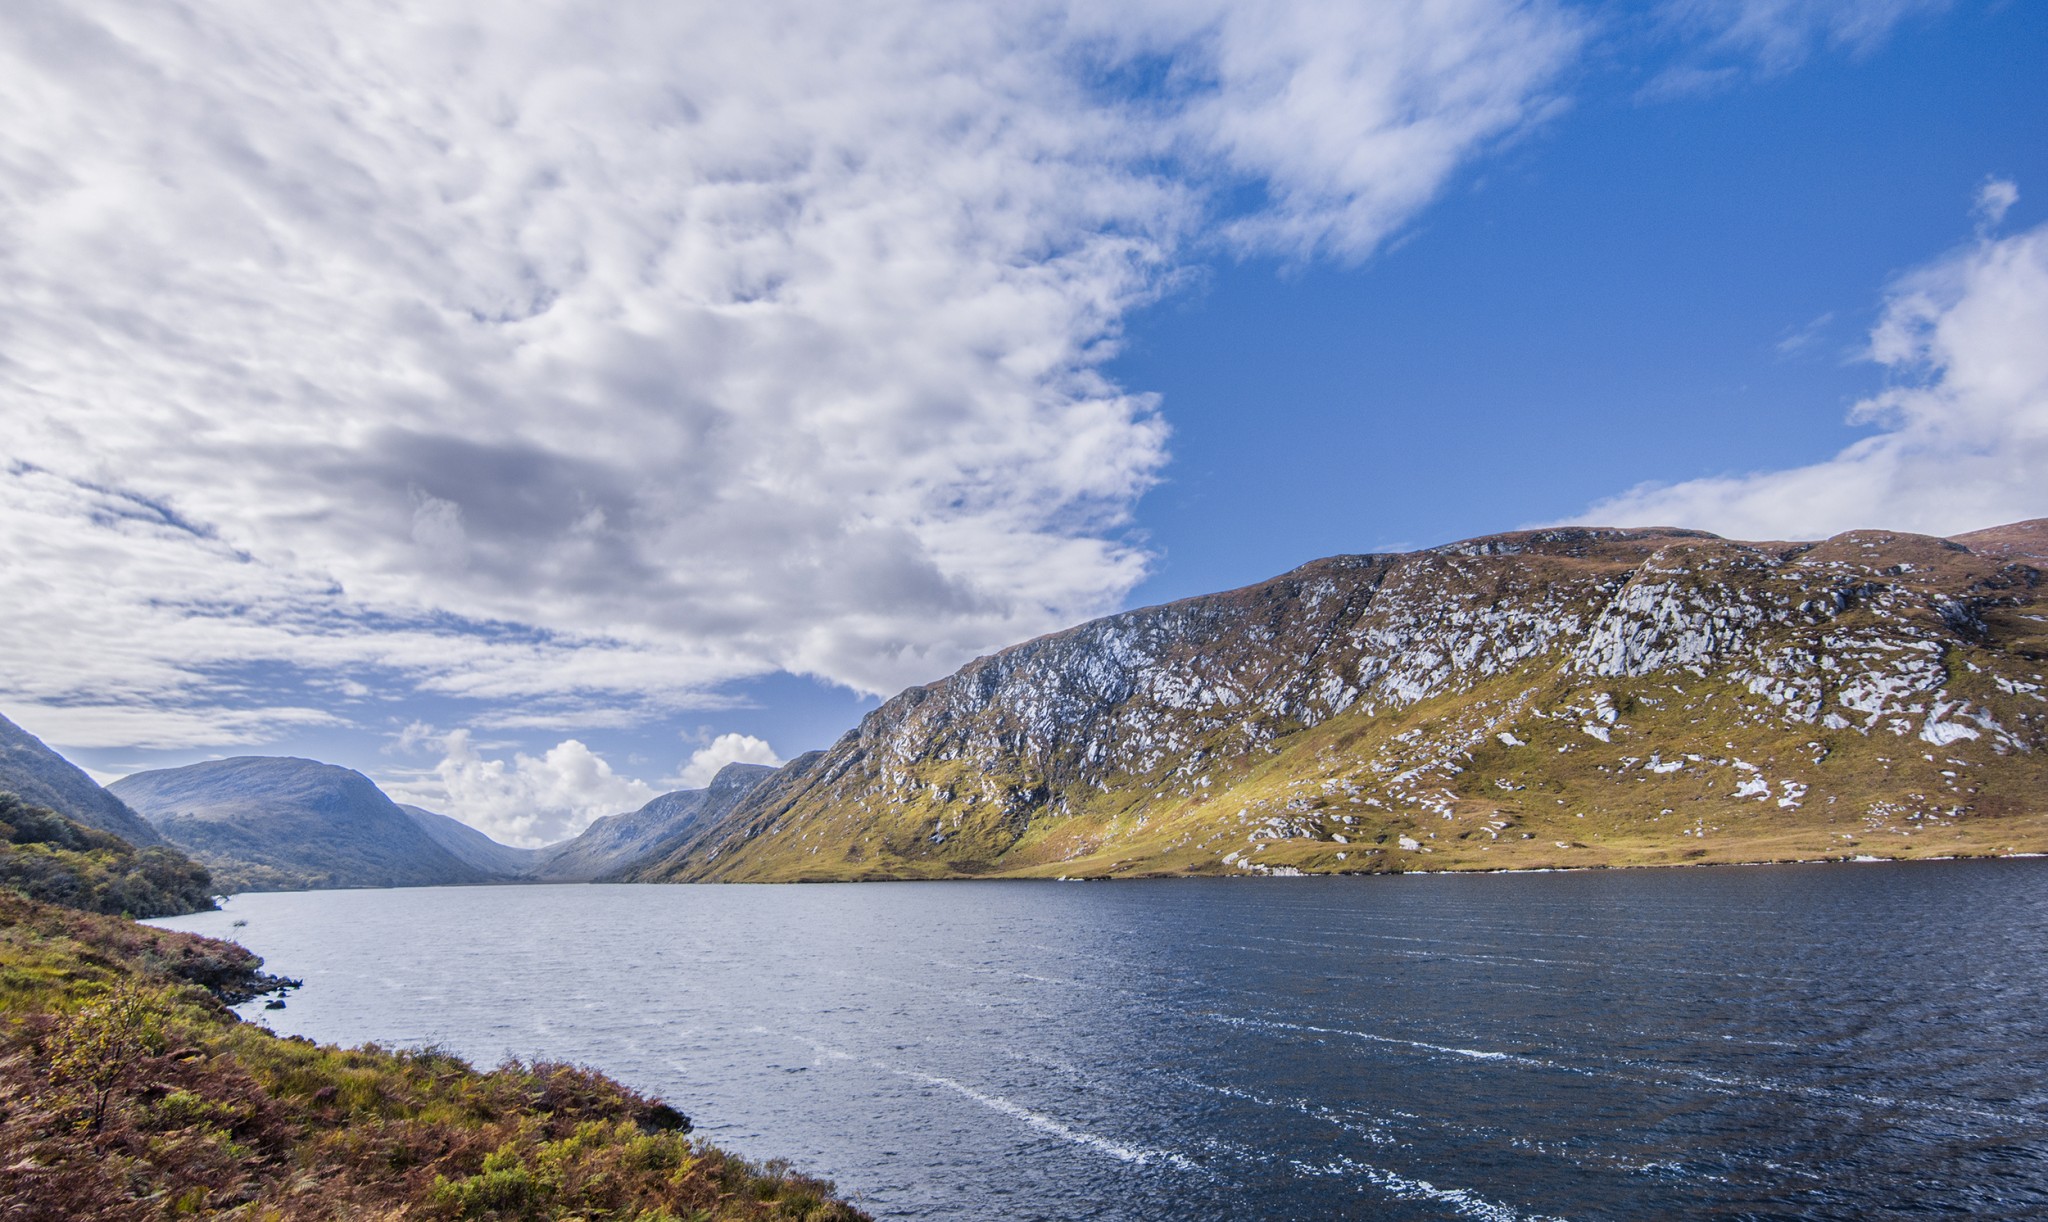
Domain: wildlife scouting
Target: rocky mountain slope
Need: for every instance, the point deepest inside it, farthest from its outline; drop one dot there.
(271, 823)
(41, 777)
(1569, 697)
(616, 843)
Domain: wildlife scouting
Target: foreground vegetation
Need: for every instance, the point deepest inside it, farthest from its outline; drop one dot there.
(46, 856)
(128, 1090)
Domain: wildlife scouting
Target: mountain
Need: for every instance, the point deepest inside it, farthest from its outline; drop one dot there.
(1569, 697)
(469, 845)
(616, 843)
(274, 823)
(2024, 541)
(41, 777)
(277, 823)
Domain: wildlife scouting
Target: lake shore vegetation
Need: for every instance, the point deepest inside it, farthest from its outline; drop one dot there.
(49, 857)
(129, 1090)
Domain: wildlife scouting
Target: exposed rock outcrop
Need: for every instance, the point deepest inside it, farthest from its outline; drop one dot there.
(1556, 697)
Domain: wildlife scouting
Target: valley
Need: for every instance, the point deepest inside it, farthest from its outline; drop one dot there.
(1557, 699)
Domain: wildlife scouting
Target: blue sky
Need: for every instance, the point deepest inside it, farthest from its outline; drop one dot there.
(536, 414)
(1637, 291)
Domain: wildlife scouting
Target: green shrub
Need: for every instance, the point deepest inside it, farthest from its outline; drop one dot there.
(48, 857)
(94, 1050)
(504, 1183)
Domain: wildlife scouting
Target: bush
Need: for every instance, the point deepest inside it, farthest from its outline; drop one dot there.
(94, 1050)
(48, 857)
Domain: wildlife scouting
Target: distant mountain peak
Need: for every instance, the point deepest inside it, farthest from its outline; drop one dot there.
(617, 845)
(274, 822)
(739, 776)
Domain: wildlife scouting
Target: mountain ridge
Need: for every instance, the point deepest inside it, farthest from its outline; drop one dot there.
(261, 822)
(288, 823)
(614, 844)
(1107, 748)
(39, 776)
(473, 847)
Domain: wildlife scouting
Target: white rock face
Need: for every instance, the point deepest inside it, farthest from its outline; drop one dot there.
(1942, 733)
(1173, 701)
(1133, 693)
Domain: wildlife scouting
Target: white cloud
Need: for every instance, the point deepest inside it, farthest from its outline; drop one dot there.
(1779, 34)
(1352, 116)
(415, 737)
(1994, 199)
(518, 355)
(528, 800)
(1964, 440)
(725, 749)
(1724, 42)
(1799, 339)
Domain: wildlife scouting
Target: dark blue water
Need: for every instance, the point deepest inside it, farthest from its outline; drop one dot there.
(1850, 1041)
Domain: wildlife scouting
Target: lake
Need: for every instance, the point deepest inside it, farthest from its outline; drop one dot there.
(1844, 1041)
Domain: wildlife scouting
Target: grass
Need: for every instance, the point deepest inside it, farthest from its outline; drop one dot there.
(1666, 697)
(128, 1090)
(1438, 774)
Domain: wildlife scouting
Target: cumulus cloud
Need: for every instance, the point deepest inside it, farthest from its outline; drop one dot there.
(516, 354)
(526, 801)
(725, 749)
(1964, 429)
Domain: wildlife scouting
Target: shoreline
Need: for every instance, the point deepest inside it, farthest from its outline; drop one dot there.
(132, 1081)
(1273, 876)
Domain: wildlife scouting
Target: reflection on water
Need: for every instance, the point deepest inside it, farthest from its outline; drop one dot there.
(1845, 1041)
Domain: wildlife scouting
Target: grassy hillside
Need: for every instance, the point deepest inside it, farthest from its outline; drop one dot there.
(48, 857)
(1562, 698)
(128, 1091)
(1677, 780)
(30, 770)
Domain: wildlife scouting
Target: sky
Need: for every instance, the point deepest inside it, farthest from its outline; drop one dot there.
(538, 405)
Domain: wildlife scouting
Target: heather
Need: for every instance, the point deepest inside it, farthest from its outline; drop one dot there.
(128, 1090)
